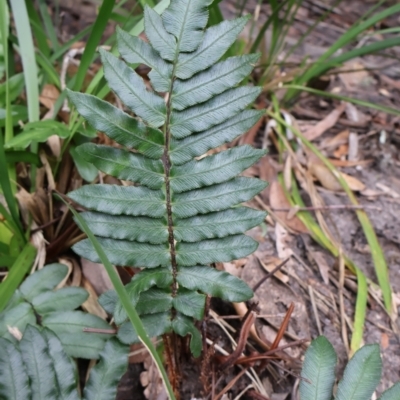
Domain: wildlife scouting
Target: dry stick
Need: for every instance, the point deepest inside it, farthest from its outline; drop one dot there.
(230, 384)
(277, 268)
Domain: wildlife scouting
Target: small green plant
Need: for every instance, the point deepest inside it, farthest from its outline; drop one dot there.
(37, 367)
(360, 378)
(37, 303)
(182, 214)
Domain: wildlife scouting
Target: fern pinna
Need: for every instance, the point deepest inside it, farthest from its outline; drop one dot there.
(182, 213)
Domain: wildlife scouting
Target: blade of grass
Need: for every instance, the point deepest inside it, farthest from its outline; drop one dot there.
(48, 24)
(16, 274)
(93, 41)
(378, 257)
(27, 52)
(378, 107)
(125, 300)
(345, 39)
(39, 32)
(318, 235)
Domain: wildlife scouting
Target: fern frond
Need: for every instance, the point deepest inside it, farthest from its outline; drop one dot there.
(181, 213)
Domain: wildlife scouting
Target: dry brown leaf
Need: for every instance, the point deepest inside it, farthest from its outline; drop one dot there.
(277, 200)
(97, 275)
(282, 242)
(329, 181)
(91, 305)
(138, 353)
(335, 141)
(69, 264)
(151, 380)
(356, 78)
(328, 122)
(49, 96)
(341, 151)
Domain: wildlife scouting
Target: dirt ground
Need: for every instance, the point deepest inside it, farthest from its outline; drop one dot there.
(310, 279)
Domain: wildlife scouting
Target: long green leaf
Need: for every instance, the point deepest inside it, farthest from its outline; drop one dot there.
(318, 372)
(93, 41)
(362, 375)
(16, 274)
(105, 376)
(133, 316)
(14, 380)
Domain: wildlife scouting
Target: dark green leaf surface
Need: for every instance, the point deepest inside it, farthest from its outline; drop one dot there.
(217, 225)
(214, 80)
(64, 368)
(68, 326)
(130, 88)
(216, 197)
(64, 299)
(136, 51)
(163, 42)
(125, 253)
(154, 301)
(217, 168)
(124, 165)
(18, 317)
(186, 21)
(39, 365)
(217, 41)
(86, 169)
(195, 145)
(43, 280)
(105, 376)
(117, 200)
(190, 303)
(14, 380)
(119, 126)
(186, 216)
(155, 325)
(318, 372)
(108, 300)
(183, 326)
(217, 250)
(160, 277)
(219, 109)
(214, 283)
(361, 375)
(140, 229)
(391, 394)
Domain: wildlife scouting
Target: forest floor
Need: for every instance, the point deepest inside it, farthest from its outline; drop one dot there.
(365, 144)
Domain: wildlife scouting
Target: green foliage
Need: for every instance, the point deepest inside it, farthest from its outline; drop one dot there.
(182, 214)
(38, 303)
(37, 367)
(360, 378)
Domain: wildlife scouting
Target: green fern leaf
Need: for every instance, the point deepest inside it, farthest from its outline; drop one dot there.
(181, 212)
(160, 39)
(140, 229)
(217, 225)
(14, 380)
(155, 325)
(119, 126)
(214, 283)
(183, 326)
(213, 112)
(135, 51)
(124, 165)
(217, 41)
(131, 89)
(116, 200)
(216, 80)
(186, 21)
(186, 149)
